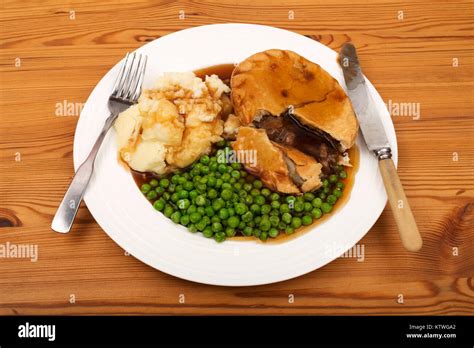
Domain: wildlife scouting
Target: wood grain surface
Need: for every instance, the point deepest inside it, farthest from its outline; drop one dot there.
(413, 52)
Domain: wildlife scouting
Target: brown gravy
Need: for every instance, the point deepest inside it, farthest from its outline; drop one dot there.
(224, 71)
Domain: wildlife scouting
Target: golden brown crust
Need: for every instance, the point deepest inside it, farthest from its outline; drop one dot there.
(306, 167)
(269, 166)
(271, 81)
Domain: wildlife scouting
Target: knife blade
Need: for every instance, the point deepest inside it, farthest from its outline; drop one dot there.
(370, 123)
(377, 142)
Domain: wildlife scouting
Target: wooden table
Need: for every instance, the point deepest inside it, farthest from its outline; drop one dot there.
(414, 52)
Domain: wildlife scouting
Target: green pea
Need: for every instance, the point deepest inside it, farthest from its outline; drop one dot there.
(306, 220)
(164, 183)
(233, 222)
(248, 200)
(145, 188)
(274, 220)
(307, 206)
(221, 143)
(151, 195)
(183, 194)
(266, 208)
(236, 166)
(265, 225)
(241, 208)
(194, 217)
(200, 200)
(235, 174)
(326, 207)
(248, 216)
(216, 227)
(256, 232)
(219, 183)
(340, 185)
(175, 179)
(317, 202)
(263, 236)
(225, 177)
(183, 204)
(166, 196)
(322, 195)
(209, 211)
(274, 212)
(175, 217)
(342, 174)
(160, 190)
(154, 182)
(266, 192)
(289, 230)
(247, 187)
(275, 196)
(275, 204)
(273, 232)
(219, 237)
(192, 209)
(226, 186)
(331, 199)
(174, 197)
(255, 192)
(201, 225)
(316, 213)
(259, 199)
(201, 210)
(211, 194)
(230, 232)
(222, 168)
(255, 208)
(247, 231)
(213, 166)
(231, 211)
(332, 178)
(299, 207)
(286, 218)
(217, 204)
(257, 184)
(159, 205)
(168, 210)
(223, 214)
(308, 196)
(290, 199)
(207, 232)
(284, 208)
(184, 220)
(337, 192)
(204, 159)
(188, 185)
(192, 228)
(182, 180)
(295, 222)
(226, 194)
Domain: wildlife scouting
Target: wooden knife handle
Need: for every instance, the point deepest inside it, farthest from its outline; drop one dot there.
(409, 234)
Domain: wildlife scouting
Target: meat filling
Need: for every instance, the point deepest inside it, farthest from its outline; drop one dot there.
(284, 130)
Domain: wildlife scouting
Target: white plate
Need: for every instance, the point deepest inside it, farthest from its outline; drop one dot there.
(126, 216)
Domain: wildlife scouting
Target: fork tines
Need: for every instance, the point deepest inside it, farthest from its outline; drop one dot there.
(129, 81)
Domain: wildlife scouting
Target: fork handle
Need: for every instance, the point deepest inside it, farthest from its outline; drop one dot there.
(69, 206)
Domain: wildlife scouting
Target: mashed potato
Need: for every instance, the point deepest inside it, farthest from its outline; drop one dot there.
(174, 123)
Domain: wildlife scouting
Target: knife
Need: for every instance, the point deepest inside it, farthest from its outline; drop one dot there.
(377, 142)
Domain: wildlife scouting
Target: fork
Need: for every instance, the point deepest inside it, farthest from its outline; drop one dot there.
(127, 88)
